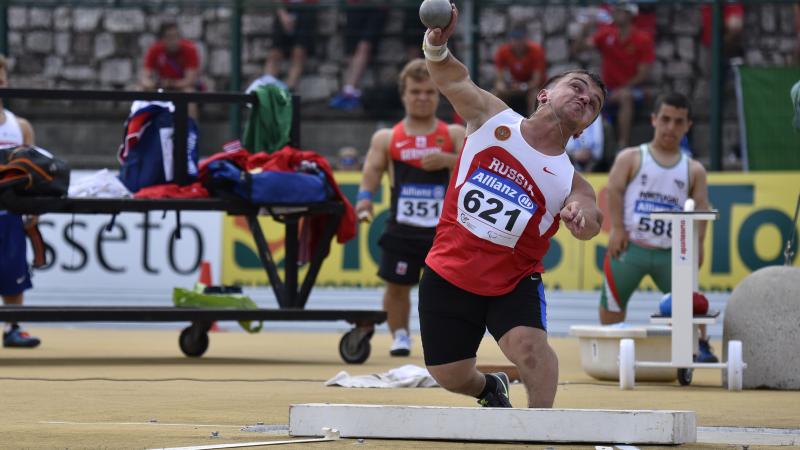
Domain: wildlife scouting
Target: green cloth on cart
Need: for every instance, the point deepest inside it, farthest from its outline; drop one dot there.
(196, 298)
(270, 122)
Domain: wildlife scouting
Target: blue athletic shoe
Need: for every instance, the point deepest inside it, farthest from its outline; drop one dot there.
(20, 339)
(345, 102)
(704, 354)
(499, 397)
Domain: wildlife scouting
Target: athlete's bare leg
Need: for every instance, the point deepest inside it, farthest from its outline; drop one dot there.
(610, 317)
(528, 349)
(13, 299)
(397, 304)
(461, 377)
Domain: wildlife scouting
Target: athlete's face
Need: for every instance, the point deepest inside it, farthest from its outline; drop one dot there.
(670, 124)
(3, 77)
(577, 100)
(420, 98)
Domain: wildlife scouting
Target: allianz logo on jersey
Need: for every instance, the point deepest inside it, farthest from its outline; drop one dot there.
(649, 206)
(502, 188)
(422, 191)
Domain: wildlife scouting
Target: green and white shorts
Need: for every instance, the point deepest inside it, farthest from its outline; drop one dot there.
(624, 274)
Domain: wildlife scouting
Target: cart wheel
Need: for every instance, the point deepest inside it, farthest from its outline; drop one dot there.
(193, 342)
(627, 361)
(685, 376)
(354, 347)
(735, 366)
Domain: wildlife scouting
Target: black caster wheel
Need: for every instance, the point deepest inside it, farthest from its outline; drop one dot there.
(354, 347)
(685, 376)
(193, 341)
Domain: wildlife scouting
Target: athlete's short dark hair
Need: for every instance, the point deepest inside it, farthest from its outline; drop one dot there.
(674, 99)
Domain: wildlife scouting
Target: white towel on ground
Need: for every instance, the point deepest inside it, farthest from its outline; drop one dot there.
(408, 376)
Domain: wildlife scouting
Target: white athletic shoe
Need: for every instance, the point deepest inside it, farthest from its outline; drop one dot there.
(401, 345)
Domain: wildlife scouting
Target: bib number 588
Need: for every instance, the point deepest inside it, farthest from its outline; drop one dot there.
(657, 226)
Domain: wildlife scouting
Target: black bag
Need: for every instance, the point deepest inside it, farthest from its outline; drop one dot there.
(33, 170)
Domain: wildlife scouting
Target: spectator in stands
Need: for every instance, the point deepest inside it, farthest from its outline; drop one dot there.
(732, 23)
(627, 54)
(348, 160)
(362, 35)
(172, 63)
(520, 70)
(15, 276)
(586, 150)
(294, 37)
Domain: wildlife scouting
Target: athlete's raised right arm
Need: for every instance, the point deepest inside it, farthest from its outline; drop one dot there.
(472, 103)
(618, 177)
(375, 164)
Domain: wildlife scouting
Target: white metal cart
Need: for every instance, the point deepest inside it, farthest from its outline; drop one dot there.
(684, 323)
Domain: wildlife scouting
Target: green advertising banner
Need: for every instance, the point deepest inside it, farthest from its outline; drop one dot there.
(755, 221)
(770, 142)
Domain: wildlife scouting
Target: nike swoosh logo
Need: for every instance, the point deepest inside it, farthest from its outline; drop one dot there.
(21, 280)
(402, 143)
(548, 170)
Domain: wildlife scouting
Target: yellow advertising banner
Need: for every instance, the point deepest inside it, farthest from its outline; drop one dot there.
(756, 211)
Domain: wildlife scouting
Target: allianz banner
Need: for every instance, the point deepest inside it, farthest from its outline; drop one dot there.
(755, 222)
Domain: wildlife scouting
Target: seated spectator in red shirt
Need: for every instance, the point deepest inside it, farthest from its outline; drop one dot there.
(627, 54)
(520, 71)
(172, 63)
(732, 22)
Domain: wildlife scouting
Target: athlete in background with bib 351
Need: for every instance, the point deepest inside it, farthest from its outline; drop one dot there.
(418, 153)
(655, 176)
(512, 185)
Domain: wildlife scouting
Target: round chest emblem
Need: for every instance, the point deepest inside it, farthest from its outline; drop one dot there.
(502, 133)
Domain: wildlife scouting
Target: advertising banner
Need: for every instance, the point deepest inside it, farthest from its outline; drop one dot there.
(131, 250)
(755, 222)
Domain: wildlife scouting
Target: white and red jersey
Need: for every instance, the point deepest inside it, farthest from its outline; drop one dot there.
(500, 211)
(10, 131)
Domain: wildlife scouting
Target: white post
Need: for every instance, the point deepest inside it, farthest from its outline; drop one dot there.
(685, 243)
(684, 274)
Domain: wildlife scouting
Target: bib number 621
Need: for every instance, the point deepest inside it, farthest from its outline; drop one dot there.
(490, 209)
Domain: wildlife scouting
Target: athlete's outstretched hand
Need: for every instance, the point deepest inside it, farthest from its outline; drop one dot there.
(617, 242)
(439, 36)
